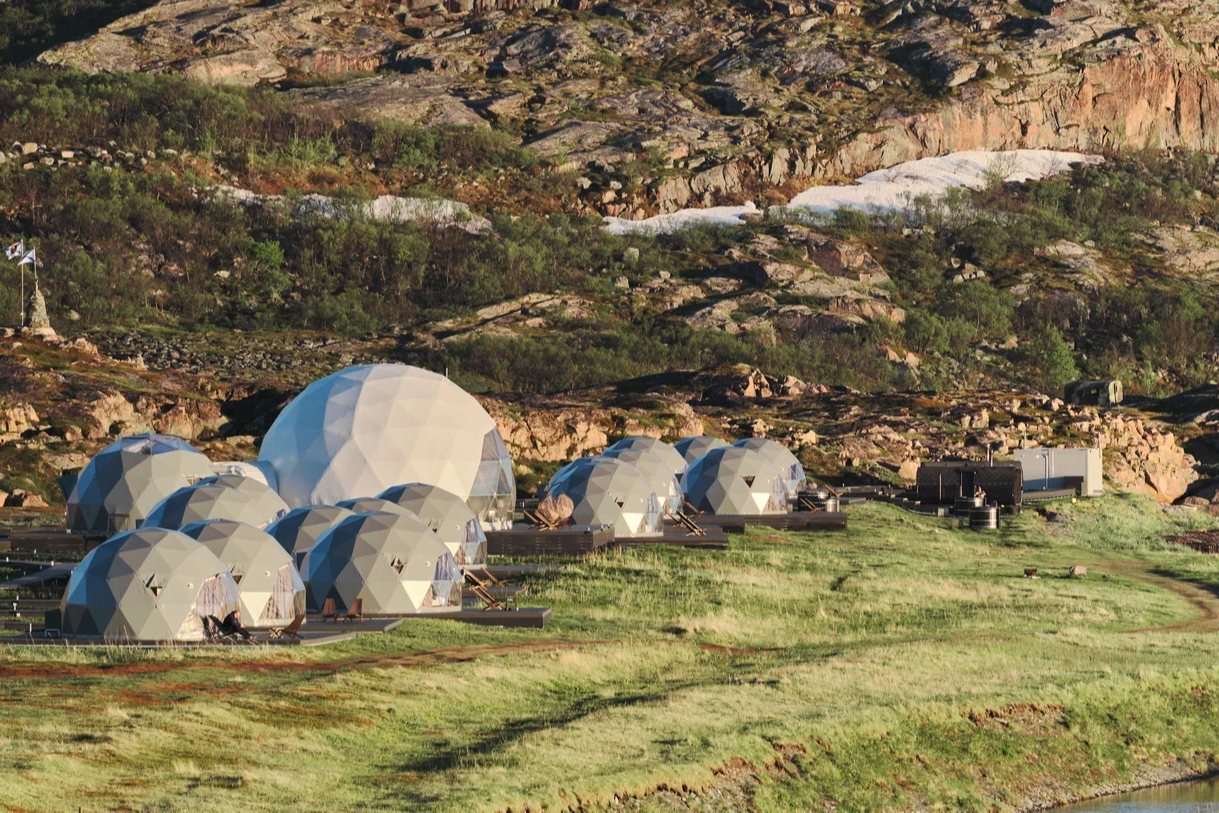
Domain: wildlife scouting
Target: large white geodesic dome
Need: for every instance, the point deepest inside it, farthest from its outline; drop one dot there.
(794, 478)
(733, 480)
(301, 528)
(671, 457)
(446, 514)
(394, 563)
(657, 472)
(693, 448)
(269, 588)
(124, 481)
(206, 501)
(364, 429)
(268, 501)
(147, 585)
(605, 491)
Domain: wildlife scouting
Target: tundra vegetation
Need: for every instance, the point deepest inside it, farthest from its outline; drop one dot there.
(902, 664)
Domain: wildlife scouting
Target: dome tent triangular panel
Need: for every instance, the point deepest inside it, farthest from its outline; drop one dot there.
(364, 429)
(202, 502)
(452, 520)
(267, 499)
(299, 529)
(733, 480)
(369, 505)
(150, 584)
(693, 448)
(270, 590)
(125, 480)
(657, 472)
(394, 563)
(605, 491)
(794, 478)
(671, 457)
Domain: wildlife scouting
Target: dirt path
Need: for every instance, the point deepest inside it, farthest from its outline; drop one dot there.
(1204, 600)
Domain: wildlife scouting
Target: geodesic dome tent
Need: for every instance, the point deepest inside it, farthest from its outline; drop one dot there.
(364, 429)
(202, 502)
(671, 457)
(733, 480)
(368, 505)
(299, 529)
(446, 514)
(692, 449)
(269, 589)
(395, 563)
(656, 471)
(124, 481)
(794, 478)
(269, 502)
(606, 491)
(150, 585)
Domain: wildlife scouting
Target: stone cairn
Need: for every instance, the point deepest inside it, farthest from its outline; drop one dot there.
(37, 323)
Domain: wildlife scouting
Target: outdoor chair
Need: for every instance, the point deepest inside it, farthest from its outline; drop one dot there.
(290, 631)
(356, 611)
(330, 610)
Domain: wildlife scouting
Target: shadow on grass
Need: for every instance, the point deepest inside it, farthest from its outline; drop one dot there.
(510, 731)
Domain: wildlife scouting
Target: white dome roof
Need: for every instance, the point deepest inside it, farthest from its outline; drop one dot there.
(794, 478)
(605, 491)
(269, 587)
(363, 429)
(735, 480)
(125, 481)
(147, 585)
(671, 457)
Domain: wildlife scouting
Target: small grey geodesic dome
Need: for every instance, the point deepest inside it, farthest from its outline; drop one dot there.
(368, 505)
(656, 471)
(606, 491)
(270, 590)
(124, 481)
(446, 514)
(299, 530)
(692, 449)
(364, 429)
(150, 585)
(794, 479)
(395, 563)
(733, 480)
(671, 457)
(198, 503)
(268, 500)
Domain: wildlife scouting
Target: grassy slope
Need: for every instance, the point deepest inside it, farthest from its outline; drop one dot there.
(860, 657)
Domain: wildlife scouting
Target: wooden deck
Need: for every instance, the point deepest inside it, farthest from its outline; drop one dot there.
(539, 542)
(794, 521)
(525, 617)
(714, 539)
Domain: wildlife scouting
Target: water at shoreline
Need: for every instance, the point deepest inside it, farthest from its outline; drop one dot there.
(1185, 797)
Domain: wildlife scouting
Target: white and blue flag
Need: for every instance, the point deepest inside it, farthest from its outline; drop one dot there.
(15, 250)
(30, 257)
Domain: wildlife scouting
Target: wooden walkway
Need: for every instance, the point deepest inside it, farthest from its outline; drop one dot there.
(47, 573)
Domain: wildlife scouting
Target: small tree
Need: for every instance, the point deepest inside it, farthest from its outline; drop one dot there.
(1050, 360)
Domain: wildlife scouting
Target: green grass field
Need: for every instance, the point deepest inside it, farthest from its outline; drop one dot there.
(899, 665)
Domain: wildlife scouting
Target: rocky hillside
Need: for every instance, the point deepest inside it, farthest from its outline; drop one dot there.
(232, 198)
(65, 400)
(671, 104)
